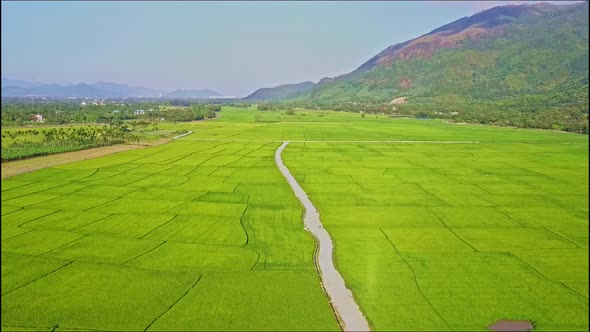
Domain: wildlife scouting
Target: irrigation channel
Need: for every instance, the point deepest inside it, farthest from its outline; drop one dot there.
(347, 310)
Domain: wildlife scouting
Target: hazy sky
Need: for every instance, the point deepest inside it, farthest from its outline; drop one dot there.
(231, 47)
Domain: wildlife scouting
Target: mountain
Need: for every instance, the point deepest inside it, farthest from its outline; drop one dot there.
(284, 91)
(18, 83)
(125, 90)
(204, 93)
(17, 88)
(503, 52)
(10, 91)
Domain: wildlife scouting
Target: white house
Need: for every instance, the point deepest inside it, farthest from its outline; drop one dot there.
(139, 112)
(38, 118)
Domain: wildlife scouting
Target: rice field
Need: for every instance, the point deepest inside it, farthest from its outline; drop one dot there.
(187, 235)
(204, 233)
(456, 236)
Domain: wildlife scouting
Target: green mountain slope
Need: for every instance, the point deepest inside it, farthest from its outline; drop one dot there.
(281, 92)
(508, 52)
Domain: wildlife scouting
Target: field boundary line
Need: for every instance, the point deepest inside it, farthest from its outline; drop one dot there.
(244, 228)
(43, 255)
(346, 309)
(143, 253)
(328, 141)
(527, 264)
(53, 328)
(447, 226)
(573, 290)
(72, 230)
(536, 271)
(43, 276)
(168, 221)
(37, 218)
(175, 302)
(415, 279)
(20, 208)
(563, 237)
(10, 237)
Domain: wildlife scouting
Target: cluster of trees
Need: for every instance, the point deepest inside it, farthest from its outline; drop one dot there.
(238, 104)
(565, 110)
(95, 136)
(267, 107)
(198, 112)
(33, 142)
(556, 112)
(91, 136)
(18, 113)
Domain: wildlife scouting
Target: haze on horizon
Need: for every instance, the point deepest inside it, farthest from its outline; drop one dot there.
(231, 47)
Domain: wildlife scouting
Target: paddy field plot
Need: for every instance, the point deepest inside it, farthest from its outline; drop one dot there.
(204, 233)
(456, 236)
(202, 227)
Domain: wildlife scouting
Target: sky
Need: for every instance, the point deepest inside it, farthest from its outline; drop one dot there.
(231, 47)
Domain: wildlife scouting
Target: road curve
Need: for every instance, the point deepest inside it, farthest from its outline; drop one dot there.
(347, 310)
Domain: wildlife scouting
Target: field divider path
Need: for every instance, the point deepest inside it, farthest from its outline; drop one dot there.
(315, 141)
(182, 135)
(341, 298)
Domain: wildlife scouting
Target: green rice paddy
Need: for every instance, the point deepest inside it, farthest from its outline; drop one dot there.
(205, 234)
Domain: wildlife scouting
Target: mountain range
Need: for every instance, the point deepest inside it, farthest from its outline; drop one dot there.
(504, 52)
(18, 88)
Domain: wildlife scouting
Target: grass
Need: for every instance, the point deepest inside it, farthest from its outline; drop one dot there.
(207, 235)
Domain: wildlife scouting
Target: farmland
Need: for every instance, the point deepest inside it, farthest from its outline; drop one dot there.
(203, 233)
(455, 236)
(27, 142)
(113, 243)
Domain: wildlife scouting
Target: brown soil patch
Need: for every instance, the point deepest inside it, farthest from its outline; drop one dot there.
(511, 325)
(12, 168)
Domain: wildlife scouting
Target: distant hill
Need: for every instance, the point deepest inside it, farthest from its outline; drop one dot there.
(204, 93)
(10, 91)
(18, 83)
(125, 90)
(280, 92)
(503, 52)
(18, 88)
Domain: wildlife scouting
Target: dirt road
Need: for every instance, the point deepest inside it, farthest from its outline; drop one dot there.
(341, 297)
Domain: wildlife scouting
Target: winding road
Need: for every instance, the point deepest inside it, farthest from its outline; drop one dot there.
(347, 310)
